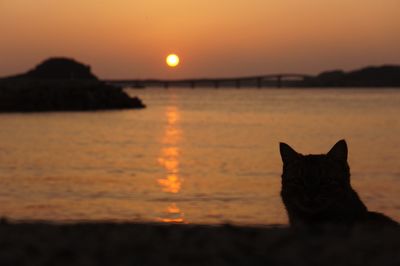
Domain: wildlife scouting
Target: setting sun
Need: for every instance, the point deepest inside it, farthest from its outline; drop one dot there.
(172, 60)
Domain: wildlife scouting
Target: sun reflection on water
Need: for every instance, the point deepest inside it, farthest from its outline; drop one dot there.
(169, 160)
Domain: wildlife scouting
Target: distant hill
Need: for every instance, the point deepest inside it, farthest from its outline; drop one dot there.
(61, 68)
(373, 76)
(58, 68)
(61, 84)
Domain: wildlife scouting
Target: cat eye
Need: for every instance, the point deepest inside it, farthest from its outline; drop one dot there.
(295, 182)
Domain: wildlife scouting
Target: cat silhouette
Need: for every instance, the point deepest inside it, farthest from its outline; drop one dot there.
(316, 190)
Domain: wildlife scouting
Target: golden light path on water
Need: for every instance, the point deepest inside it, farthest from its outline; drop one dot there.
(169, 159)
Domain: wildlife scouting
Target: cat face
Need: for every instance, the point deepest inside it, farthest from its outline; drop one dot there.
(312, 183)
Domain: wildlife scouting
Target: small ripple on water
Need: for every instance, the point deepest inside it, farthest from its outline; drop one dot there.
(204, 199)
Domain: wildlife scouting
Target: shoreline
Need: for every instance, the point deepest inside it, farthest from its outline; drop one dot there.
(90, 243)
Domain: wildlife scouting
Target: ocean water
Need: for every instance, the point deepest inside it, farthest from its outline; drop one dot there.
(194, 155)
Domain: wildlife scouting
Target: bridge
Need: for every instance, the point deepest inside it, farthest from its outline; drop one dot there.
(272, 80)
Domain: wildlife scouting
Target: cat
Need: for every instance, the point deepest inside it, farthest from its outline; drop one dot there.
(316, 190)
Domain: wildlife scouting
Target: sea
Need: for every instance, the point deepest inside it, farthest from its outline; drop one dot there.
(196, 156)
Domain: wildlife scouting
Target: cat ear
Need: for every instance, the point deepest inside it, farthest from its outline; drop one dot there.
(287, 153)
(339, 151)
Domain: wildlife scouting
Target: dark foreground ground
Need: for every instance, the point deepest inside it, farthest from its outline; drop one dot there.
(155, 244)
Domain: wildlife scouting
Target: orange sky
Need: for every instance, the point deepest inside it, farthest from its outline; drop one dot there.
(130, 38)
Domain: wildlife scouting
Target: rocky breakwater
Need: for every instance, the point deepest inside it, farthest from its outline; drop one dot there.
(61, 84)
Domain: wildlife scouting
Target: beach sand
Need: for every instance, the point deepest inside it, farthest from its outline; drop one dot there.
(162, 244)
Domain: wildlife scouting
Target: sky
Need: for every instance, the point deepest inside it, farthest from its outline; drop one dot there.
(214, 38)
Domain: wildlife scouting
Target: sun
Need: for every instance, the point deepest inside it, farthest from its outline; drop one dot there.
(172, 60)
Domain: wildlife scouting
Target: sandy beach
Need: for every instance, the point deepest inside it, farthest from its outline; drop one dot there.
(161, 244)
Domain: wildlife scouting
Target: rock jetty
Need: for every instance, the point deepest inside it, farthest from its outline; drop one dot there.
(61, 84)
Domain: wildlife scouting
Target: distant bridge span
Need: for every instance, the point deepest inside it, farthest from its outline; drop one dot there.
(258, 81)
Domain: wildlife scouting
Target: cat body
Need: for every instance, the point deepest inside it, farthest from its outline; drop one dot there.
(316, 190)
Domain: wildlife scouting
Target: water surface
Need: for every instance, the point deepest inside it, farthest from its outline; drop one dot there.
(194, 156)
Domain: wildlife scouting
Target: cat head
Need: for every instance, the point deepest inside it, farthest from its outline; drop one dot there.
(312, 183)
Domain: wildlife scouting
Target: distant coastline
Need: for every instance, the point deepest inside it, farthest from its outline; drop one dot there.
(72, 74)
(371, 76)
